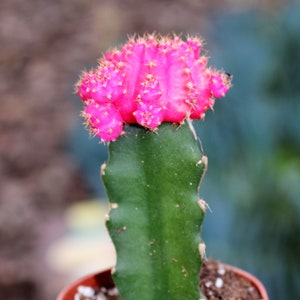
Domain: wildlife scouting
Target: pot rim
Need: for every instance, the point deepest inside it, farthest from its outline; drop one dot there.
(104, 278)
(251, 278)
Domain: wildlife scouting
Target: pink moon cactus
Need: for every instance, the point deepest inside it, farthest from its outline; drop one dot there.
(154, 170)
(150, 80)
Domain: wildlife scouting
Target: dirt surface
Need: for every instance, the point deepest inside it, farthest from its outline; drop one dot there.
(217, 283)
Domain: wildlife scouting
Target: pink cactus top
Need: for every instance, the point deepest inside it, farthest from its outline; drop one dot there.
(148, 81)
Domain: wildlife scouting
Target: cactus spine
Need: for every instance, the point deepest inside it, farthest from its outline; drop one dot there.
(152, 181)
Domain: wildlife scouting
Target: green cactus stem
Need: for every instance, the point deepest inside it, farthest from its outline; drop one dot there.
(152, 181)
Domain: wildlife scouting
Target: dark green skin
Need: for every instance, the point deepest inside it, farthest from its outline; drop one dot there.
(152, 181)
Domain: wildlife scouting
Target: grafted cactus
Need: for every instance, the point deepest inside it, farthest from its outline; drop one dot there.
(142, 99)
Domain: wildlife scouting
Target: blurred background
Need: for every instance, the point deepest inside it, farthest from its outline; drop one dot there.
(52, 202)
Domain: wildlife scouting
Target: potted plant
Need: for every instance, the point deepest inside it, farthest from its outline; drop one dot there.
(141, 100)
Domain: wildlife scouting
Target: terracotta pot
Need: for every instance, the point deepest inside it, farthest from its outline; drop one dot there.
(104, 279)
(254, 281)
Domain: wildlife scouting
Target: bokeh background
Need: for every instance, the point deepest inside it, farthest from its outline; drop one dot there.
(51, 200)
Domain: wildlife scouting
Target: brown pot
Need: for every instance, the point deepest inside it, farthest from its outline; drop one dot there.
(252, 279)
(104, 279)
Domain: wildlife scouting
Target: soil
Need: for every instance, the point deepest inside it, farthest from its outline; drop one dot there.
(217, 283)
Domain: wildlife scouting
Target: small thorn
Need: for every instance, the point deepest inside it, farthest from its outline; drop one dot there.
(114, 205)
(202, 249)
(102, 170)
(203, 205)
(121, 229)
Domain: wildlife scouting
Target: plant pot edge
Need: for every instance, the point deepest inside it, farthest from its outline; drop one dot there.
(104, 278)
(251, 278)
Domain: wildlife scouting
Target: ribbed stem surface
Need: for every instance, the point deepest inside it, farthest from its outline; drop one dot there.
(152, 182)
